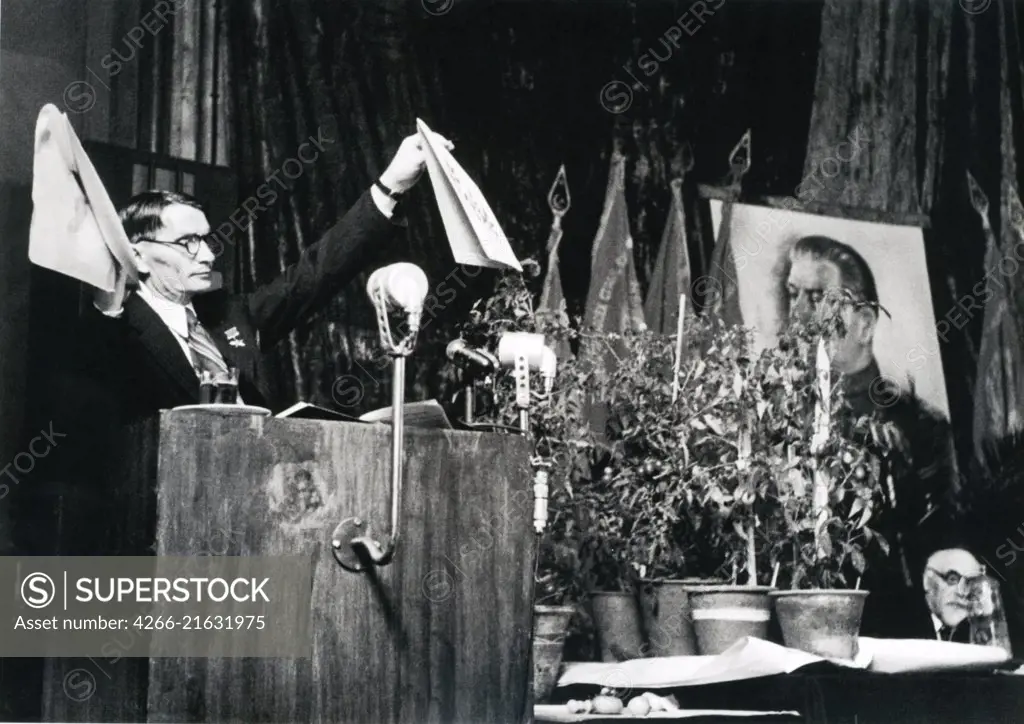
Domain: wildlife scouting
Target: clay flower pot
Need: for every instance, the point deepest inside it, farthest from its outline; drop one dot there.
(666, 615)
(821, 622)
(550, 626)
(551, 623)
(617, 620)
(722, 615)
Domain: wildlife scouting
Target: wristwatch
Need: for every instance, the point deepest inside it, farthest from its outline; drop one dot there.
(387, 192)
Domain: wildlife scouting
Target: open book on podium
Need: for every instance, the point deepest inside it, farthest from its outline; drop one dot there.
(428, 414)
(473, 231)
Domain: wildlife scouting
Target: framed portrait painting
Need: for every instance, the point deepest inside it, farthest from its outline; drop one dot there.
(786, 258)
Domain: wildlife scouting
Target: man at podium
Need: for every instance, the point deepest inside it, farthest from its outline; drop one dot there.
(148, 349)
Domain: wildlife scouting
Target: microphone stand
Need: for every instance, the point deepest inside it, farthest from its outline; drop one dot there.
(521, 370)
(363, 550)
(468, 398)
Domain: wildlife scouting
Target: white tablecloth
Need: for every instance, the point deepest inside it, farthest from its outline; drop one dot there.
(751, 658)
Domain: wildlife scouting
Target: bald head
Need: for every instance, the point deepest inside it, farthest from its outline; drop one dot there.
(947, 577)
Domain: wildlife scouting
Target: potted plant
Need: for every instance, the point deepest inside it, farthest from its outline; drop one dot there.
(650, 466)
(827, 467)
(556, 594)
(688, 480)
(607, 569)
(731, 496)
(562, 451)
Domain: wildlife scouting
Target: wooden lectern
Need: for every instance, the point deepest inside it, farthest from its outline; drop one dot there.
(440, 634)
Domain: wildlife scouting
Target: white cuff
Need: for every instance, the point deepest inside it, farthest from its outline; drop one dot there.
(116, 313)
(385, 204)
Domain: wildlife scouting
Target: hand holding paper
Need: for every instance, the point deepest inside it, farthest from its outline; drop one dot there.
(75, 229)
(409, 162)
(473, 231)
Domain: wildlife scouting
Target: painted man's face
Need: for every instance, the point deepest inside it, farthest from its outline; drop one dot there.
(808, 289)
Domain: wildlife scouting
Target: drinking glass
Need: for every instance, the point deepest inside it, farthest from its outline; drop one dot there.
(987, 617)
(227, 388)
(207, 388)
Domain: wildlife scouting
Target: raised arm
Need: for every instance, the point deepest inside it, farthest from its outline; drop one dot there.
(343, 252)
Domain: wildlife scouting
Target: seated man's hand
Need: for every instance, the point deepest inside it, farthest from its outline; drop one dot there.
(406, 167)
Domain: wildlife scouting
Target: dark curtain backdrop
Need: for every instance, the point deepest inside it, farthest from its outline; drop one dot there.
(518, 87)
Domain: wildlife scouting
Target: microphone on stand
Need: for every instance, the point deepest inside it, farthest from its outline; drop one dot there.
(524, 351)
(402, 287)
(538, 355)
(548, 368)
(397, 287)
(471, 358)
(472, 362)
(527, 344)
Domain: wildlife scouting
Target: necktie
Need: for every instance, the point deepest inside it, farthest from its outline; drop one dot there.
(205, 355)
(946, 633)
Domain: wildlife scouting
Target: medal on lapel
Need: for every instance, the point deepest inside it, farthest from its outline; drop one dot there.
(234, 337)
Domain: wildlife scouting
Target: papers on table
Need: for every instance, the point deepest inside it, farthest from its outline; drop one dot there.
(427, 413)
(309, 411)
(75, 229)
(560, 713)
(473, 231)
(752, 658)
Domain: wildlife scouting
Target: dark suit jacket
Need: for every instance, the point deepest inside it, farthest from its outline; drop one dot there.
(126, 368)
(907, 616)
(924, 628)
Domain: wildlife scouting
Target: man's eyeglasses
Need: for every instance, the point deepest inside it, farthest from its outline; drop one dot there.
(953, 577)
(191, 242)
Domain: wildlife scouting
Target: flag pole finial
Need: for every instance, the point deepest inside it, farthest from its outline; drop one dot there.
(559, 200)
(740, 157)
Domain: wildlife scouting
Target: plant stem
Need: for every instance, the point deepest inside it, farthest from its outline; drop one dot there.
(751, 557)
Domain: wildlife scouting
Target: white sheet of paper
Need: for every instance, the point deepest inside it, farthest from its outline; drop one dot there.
(473, 231)
(752, 658)
(75, 229)
(103, 208)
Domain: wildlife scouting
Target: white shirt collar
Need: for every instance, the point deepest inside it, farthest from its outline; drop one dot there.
(937, 623)
(172, 313)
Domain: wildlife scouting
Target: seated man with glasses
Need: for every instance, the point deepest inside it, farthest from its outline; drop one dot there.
(948, 578)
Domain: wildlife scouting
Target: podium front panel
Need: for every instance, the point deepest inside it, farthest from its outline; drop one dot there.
(441, 634)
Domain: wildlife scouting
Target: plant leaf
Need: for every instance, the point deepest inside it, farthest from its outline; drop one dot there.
(858, 560)
(865, 516)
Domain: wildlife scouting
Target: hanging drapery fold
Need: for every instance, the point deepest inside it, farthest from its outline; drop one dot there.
(999, 388)
(346, 81)
(881, 70)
